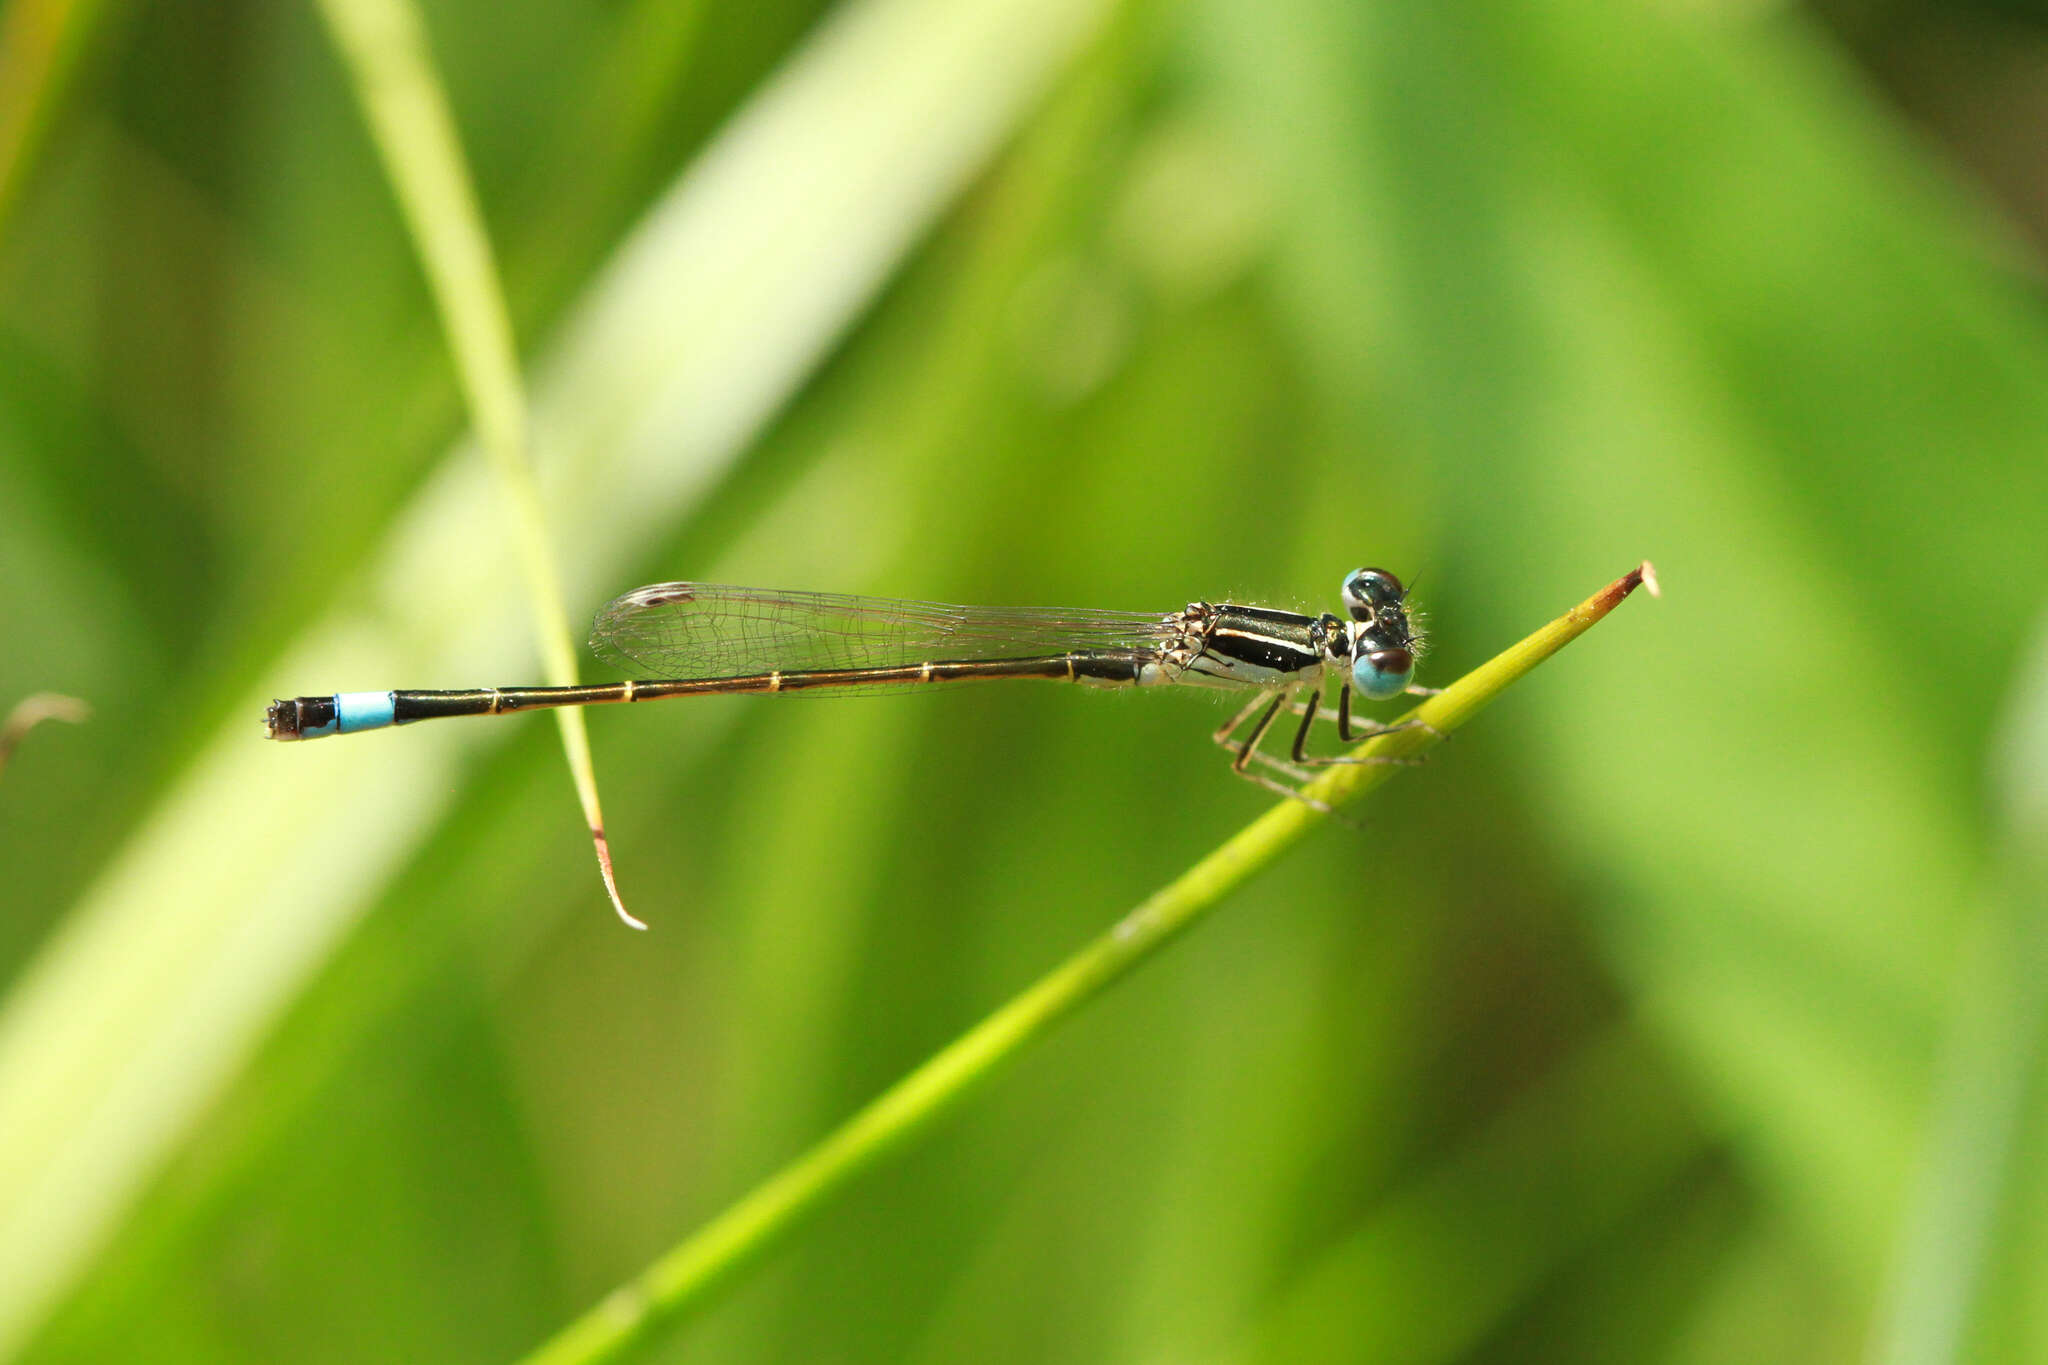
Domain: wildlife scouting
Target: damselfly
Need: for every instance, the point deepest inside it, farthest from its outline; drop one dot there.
(690, 639)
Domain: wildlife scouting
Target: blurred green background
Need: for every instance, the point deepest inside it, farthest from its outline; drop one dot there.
(1688, 1007)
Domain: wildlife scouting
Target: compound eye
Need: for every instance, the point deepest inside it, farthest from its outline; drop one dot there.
(1383, 673)
(1367, 590)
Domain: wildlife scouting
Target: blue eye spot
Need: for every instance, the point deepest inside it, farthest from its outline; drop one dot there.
(1382, 673)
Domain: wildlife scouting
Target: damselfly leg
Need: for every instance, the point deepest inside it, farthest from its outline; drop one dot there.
(1248, 752)
(1267, 707)
(1347, 730)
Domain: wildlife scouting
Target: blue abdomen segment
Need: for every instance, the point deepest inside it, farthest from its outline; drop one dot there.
(355, 711)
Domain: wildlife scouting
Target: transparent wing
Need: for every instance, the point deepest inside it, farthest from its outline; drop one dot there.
(708, 630)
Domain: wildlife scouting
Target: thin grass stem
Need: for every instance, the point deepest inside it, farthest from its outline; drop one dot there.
(685, 1278)
(383, 45)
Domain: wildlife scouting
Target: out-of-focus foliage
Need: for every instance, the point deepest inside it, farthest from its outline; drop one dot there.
(1683, 1009)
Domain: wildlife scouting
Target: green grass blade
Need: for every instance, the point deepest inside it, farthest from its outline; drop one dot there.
(41, 45)
(1969, 1222)
(685, 1277)
(211, 916)
(384, 46)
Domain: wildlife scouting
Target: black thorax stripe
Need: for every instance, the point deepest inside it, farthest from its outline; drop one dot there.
(1280, 641)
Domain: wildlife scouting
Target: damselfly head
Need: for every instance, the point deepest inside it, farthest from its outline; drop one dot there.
(1383, 643)
(1378, 602)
